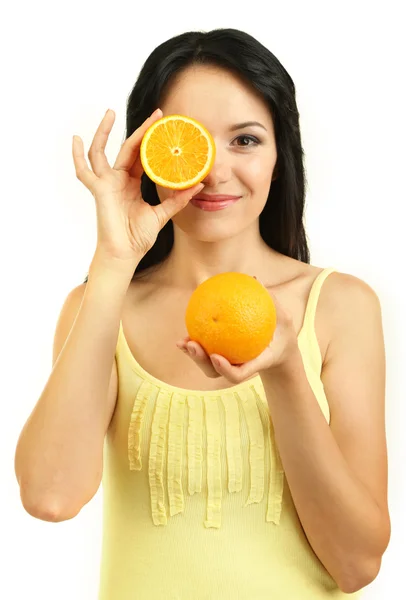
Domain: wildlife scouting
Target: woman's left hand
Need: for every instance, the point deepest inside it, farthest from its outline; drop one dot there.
(278, 355)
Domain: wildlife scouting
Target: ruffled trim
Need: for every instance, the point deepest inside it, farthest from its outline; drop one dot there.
(157, 458)
(135, 429)
(175, 449)
(213, 517)
(168, 441)
(276, 480)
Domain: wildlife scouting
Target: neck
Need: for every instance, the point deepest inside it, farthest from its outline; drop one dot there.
(193, 261)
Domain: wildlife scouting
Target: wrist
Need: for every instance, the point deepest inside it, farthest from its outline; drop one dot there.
(108, 275)
(114, 267)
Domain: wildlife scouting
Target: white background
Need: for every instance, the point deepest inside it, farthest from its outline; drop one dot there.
(63, 66)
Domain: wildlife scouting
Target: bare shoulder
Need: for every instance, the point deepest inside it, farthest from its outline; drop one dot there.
(350, 306)
(346, 304)
(346, 294)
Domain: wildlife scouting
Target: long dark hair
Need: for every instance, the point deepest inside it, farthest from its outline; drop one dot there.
(281, 221)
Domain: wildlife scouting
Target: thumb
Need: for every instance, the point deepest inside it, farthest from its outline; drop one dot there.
(175, 203)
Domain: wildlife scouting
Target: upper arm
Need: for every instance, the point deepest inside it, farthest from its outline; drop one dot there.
(353, 376)
(64, 325)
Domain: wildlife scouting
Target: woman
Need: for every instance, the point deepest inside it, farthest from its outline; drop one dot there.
(261, 480)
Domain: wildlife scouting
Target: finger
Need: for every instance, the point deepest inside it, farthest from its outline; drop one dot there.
(175, 203)
(199, 356)
(83, 173)
(234, 373)
(131, 147)
(137, 169)
(96, 155)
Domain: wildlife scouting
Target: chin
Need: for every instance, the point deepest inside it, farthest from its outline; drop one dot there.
(211, 232)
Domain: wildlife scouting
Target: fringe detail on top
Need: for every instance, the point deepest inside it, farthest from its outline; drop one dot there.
(167, 443)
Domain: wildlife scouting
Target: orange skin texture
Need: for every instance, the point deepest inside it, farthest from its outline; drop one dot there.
(279, 356)
(233, 315)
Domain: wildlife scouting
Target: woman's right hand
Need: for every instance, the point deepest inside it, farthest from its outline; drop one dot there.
(127, 226)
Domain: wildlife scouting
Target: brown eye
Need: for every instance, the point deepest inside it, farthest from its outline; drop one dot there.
(246, 141)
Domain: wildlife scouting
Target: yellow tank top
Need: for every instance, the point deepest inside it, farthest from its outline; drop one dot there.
(195, 502)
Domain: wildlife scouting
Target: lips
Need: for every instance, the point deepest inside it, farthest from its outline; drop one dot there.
(213, 202)
(215, 197)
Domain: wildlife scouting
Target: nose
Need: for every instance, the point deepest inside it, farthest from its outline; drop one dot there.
(221, 171)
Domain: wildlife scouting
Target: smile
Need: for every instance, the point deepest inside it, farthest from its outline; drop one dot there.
(217, 203)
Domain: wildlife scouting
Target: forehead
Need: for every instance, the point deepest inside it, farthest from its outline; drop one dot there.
(213, 95)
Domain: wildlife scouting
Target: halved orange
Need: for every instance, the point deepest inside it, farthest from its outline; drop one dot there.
(177, 152)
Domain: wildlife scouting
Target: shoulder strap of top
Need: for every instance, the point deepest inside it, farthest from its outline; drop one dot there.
(309, 318)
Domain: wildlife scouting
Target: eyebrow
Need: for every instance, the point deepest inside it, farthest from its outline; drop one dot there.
(246, 124)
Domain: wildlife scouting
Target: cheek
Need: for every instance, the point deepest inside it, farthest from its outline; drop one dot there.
(257, 170)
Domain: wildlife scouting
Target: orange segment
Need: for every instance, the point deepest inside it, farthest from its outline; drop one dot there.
(177, 152)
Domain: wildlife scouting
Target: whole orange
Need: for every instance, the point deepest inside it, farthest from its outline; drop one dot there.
(233, 315)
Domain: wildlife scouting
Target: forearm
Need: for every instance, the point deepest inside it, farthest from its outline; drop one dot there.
(339, 516)
(58, 457)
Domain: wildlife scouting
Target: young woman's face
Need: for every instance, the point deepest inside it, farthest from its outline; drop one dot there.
(245, 157)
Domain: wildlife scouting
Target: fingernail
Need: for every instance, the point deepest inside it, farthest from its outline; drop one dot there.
(215, 361)
(192, 351)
